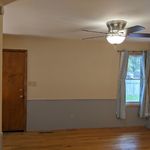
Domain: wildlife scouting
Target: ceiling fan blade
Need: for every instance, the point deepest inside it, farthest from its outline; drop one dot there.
(134, 29)
(139, 35)
(94, 31)
(93, 37)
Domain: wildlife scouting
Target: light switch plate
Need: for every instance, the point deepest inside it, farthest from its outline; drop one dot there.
(32, 83)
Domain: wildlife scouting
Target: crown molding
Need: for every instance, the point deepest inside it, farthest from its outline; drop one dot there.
(5, 2)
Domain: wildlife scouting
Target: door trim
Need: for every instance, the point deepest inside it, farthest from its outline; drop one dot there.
(25, 82)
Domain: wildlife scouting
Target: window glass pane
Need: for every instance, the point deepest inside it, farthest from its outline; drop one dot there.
(134, 67)
(133, 78)
(132, 91)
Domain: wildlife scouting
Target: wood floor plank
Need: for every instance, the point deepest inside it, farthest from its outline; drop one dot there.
(135, 138)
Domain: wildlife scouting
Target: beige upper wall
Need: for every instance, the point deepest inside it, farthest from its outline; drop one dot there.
(70, 69)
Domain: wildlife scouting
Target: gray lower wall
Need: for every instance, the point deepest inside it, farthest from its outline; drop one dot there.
(148, 124)
(43, 115)
(1, 137)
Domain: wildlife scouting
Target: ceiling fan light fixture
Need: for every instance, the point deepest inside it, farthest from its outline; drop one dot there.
(117, 32)
(115, 39)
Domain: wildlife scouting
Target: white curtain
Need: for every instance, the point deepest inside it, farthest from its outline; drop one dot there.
(121, 100)
(144, 94)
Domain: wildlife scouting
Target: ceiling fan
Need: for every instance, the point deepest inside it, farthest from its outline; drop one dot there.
(117, 32)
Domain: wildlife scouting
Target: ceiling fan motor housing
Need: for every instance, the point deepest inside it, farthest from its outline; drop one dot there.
(116, 25)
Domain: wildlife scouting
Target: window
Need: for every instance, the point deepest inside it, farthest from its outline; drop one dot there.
(133, 79)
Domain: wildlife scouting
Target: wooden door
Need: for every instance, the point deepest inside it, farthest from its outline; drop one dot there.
(14, 90)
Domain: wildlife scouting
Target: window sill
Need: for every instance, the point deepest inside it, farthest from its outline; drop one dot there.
(132, 104)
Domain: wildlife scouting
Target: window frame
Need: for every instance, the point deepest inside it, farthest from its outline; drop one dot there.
(133, 53)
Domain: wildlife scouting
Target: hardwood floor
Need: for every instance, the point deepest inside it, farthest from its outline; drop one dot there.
(135, 138)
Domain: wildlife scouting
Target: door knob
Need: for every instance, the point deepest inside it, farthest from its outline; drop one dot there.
(21, 96)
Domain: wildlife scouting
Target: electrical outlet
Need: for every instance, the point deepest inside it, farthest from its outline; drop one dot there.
(72, 116)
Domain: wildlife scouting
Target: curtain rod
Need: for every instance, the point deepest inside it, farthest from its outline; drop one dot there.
(133, 51)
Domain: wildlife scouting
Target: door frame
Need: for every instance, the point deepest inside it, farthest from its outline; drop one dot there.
(25, 83)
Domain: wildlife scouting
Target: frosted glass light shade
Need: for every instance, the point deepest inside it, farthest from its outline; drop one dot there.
(115, 39)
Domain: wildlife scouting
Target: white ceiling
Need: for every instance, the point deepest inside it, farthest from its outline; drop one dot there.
(66, 18)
